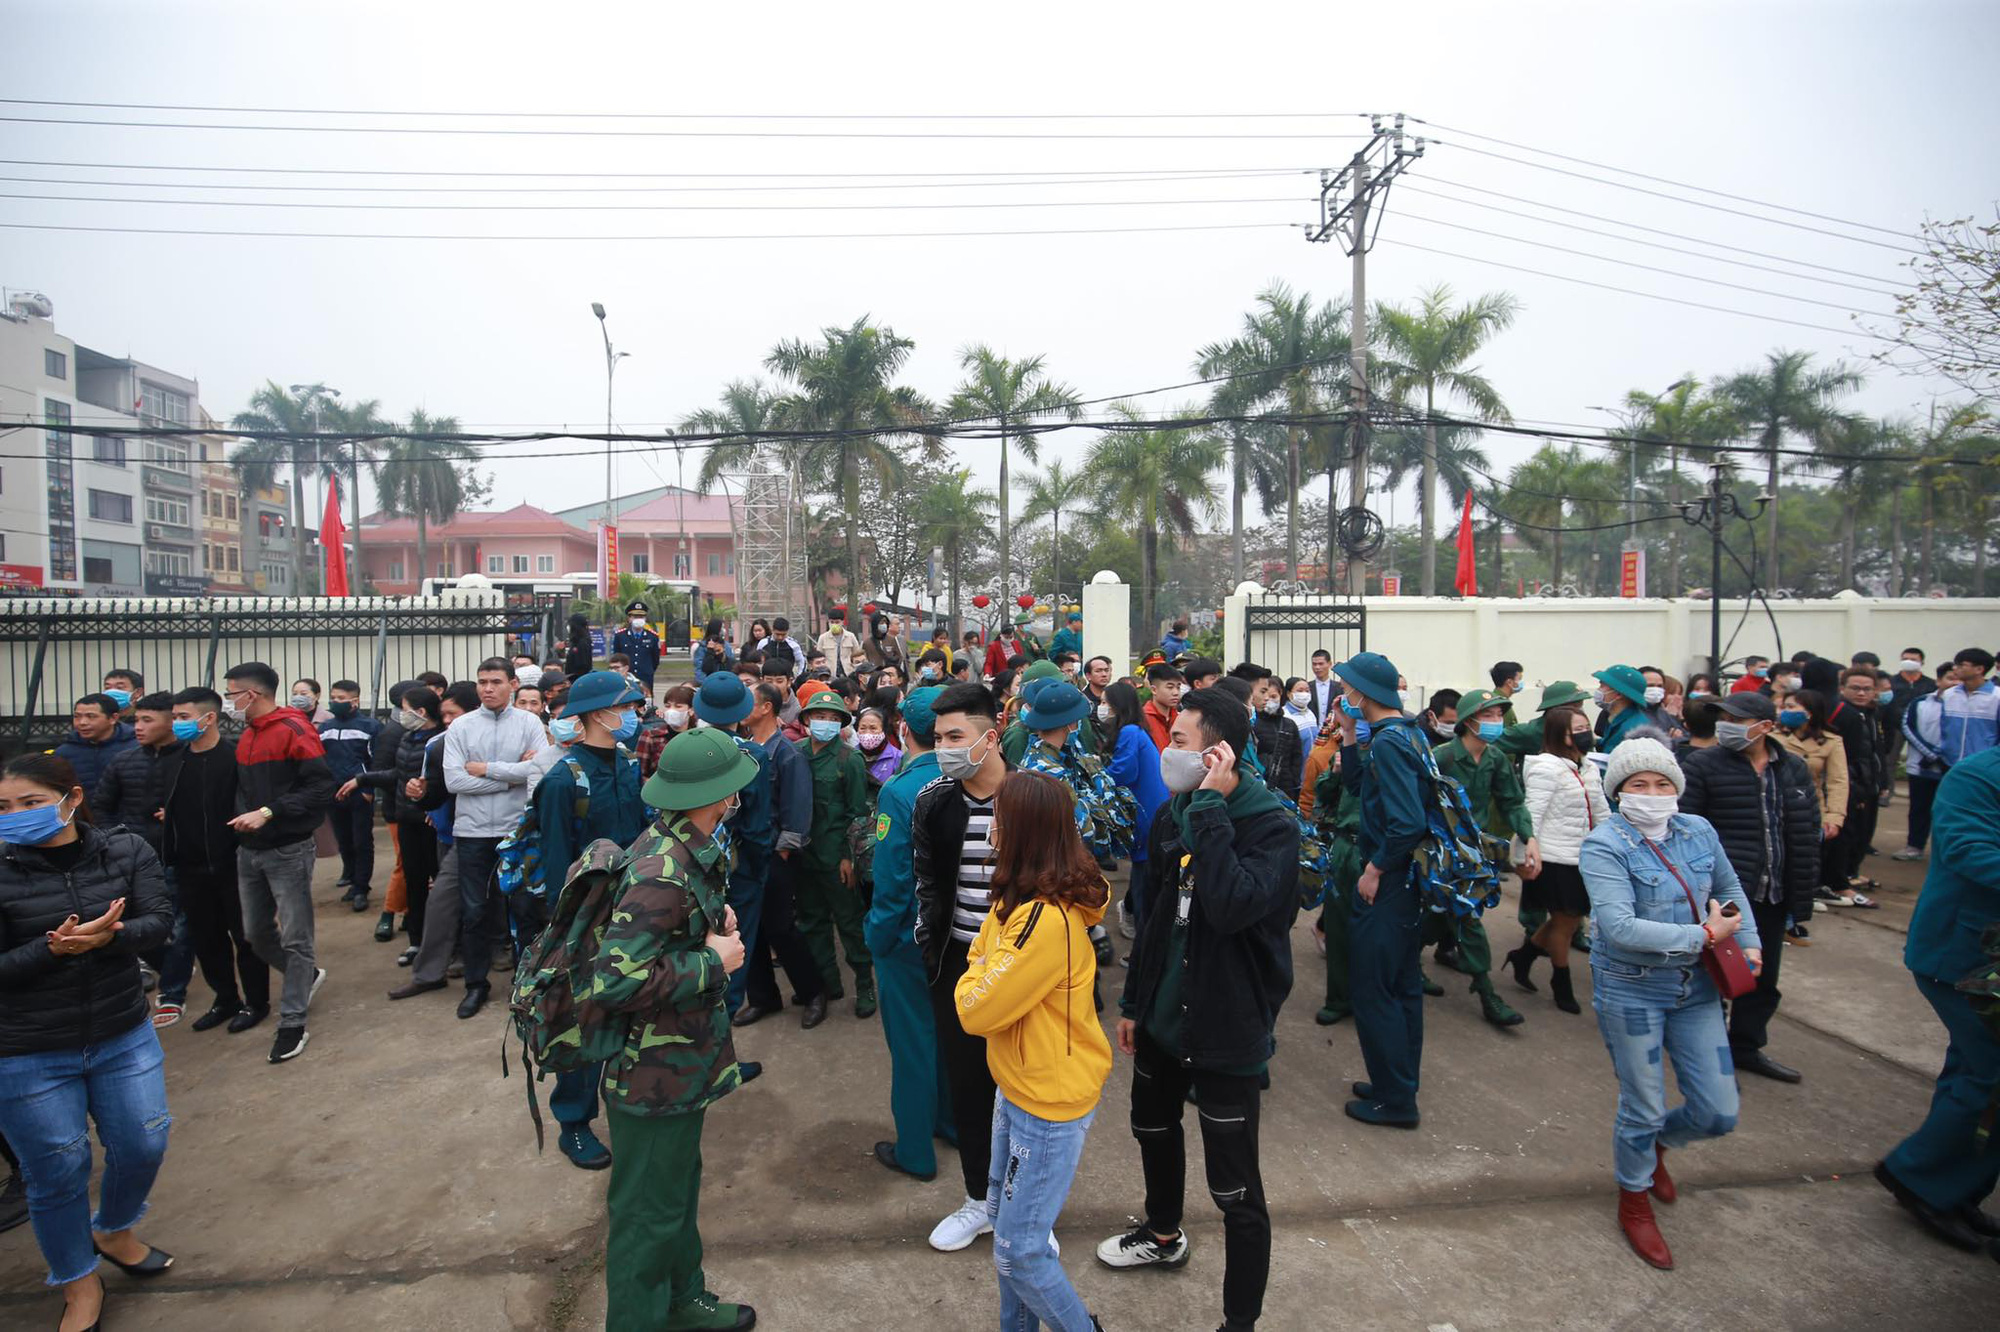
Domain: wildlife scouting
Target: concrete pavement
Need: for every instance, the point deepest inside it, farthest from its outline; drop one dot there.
(389, 1177)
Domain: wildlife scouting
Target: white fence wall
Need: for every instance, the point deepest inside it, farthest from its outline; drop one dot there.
(1441, 642)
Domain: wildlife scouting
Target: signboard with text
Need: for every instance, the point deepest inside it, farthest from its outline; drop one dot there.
(1632, 572)
(20, 575)
(607, 560)
(1392, 585)
(176, 585)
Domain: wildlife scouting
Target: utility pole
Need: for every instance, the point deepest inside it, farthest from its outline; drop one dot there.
(1365, 180)
(611, 359)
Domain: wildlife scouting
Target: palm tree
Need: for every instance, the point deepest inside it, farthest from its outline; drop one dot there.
(290, 424)
(1958, 431)
(1050, 495)
(1258, 458)
(420, 479)
(1785, 396)
(952, 512)
(1682, 417)
(1009, 392)
(364, 424)
(1862, 444)
(1291, 358)
(841, 385)
(1159, 481)
(745, 411)
(1542, 490)
(1424, 350)
(1452, 451)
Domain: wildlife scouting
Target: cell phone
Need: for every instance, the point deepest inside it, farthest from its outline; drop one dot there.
(1729, 909)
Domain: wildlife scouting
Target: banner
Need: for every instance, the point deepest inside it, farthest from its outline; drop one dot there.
(333, 542)
(607, 560)
(1467, 578)
(1392, 585)
(1632, 572)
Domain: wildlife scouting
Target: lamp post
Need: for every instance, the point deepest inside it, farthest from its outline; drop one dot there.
(611, 359)
(1629, 420)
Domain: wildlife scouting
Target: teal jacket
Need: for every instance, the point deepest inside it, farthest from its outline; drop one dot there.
(1626, 722)
(892, 913)
(1961, 897)
(1390, 781)
(616, 812)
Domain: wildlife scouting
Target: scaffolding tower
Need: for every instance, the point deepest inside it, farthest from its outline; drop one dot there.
(770, 545)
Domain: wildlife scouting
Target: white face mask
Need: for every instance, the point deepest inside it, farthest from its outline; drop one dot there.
(1104, 712)
(303, 702)
(1654, 694)
(1649, 813)
(1302, 699)
(676, 718)
(1182, 769)
(1271, 705)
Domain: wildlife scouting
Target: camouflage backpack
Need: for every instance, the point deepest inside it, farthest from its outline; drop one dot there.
(559, 1028)
(1455, 866)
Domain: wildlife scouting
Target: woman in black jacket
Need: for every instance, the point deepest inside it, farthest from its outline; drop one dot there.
(401, 784)
(77, 908)
(576, 662)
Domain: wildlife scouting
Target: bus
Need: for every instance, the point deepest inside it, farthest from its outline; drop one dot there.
(539, 609)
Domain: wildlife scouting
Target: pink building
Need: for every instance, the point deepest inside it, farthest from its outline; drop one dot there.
(650, 541)
(523, 541)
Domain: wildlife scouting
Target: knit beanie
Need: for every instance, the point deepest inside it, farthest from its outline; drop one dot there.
(1642, 754)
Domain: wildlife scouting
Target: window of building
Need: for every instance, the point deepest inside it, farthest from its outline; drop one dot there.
(110, 507)
(108, 450)
(714, 565)
(232, 553)
(545, 564)
(3, 547)
(162, 406)
(443, 569)
(395, 571)
(111, 562)
(171, 454)
(55, 415)
(169, 562)
(681, 566)
(496, 564)
(55, 364)
(729, 565)
(276, 576)
(642, 563)
(520, 564)
(229, 505)
(172, 511)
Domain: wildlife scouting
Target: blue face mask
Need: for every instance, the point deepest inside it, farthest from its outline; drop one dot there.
(1792, 718)
(1761, 672)
(32, 827)
(628, 725)
(564, 730)
(823, 729)
(122, 697)
(1350, 709)
(1490, 731)
(186, 728)
(1362, 730)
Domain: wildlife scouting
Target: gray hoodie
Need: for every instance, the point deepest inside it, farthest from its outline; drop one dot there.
(506, 742)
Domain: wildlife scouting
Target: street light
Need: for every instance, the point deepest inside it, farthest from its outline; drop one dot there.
(611, 359)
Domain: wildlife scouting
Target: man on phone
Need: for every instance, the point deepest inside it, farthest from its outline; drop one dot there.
(1224, 852)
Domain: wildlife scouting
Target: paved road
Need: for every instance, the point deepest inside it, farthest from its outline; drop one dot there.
(389, 1179)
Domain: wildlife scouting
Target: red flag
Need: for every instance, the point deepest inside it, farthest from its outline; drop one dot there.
(1467, 581)
(332, 539)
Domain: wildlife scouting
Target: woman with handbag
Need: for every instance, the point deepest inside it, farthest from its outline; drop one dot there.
(1565, 803)
(1673, 937)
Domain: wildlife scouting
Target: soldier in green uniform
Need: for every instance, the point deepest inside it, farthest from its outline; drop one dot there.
(1337, 818)
(663, 963)
(1494, 792)
(828, 897)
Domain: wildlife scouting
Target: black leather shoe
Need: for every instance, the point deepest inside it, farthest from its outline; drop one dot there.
(1756, 1061)
(475, 999)
(815, 1013)
(1364, 1091)
(885, 1152)
(248, 1018)
(1947, 1226)
(415, 988)
(155, 1263)
(1982, 1222)
(748, 1014)
(749, 1069)
(216, 1016)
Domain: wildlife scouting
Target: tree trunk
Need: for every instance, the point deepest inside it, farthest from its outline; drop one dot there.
(1291, 503)
(1149, 555)
(1055, 555)
(423, 541)
(1556, 569)
(1896, 570)
(1849, 514)
(1771, 561)
(1981, 538)
(1675, 584)
(957, 625)
(1927, 566)
(354, 507)
(298, 525)
(1499, 576)
(1237, 483)
(850, 495)
(1006, 531)
(1426, 497)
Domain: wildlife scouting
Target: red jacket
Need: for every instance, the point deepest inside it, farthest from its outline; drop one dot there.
(1746, 684)
(997, 655)
(1158, 722)
(281, 763)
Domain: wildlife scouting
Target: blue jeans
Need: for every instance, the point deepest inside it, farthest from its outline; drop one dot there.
(1033, 1164)
(1643, 1013)
(1944, 1162)
(46, 1101)
(174, 959)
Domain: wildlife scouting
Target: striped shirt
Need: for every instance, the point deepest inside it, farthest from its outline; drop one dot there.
(975, 871)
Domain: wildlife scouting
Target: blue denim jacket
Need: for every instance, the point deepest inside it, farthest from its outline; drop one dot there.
(1638, 913)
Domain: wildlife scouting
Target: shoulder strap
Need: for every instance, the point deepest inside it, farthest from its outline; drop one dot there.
(1662, 858)
(1589, 818)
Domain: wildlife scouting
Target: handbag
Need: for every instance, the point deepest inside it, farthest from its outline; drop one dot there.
(1722, 959)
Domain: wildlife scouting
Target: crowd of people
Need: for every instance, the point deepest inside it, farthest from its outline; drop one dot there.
(940, 825)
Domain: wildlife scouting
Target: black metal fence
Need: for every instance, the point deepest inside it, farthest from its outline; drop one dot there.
(1283, 634)
(53, 652)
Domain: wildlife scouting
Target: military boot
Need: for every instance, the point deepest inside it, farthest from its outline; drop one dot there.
(1492, 1007)
(864, 997)
(705, 1313)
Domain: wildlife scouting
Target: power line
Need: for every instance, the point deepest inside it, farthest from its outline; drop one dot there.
(1884, 288)
(1165, 176)
(1629, 263)
(523, 132)
(572, 240)
(1649, 295)
(627, 175)
(1692, 203)
(1662, 180)
(691, 115)
(495, 207)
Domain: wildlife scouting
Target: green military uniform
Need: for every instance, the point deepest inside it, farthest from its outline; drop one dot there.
(1494, 791)
(654, 967)
(825, 904)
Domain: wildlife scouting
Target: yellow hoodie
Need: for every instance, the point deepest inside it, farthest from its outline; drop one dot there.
(1027, 989)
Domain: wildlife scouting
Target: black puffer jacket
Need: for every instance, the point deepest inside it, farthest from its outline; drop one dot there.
(61, 1003)
(408, 764)
(1723, 788)
(216, 852)
(129, 792)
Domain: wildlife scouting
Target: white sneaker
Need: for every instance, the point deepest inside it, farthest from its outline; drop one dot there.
(319, 979)
(1128, 925)
(958, 1230)
(1055, 1245)
(1140, 1248)
(1907, 853)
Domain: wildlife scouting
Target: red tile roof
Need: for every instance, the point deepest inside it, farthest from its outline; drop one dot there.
(521, 520)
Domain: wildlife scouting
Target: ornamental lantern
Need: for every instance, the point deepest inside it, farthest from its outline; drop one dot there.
(982, 601)
(1025, 600)
(869, 609)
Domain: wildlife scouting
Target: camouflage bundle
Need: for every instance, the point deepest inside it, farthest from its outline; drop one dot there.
(1106, 813)
(1456, 865)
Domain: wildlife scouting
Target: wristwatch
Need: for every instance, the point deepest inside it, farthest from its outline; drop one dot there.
(265, 810)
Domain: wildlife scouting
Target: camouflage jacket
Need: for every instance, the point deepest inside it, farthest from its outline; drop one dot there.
(654, 965)
(1106, 813)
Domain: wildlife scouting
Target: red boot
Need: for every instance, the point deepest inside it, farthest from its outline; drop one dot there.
(1635, 1218)
(1663, 1183)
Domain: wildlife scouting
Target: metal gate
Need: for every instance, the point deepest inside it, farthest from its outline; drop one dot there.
(1283, 632)
(53, 651)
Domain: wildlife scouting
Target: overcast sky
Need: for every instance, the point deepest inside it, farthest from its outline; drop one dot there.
(1871, 113)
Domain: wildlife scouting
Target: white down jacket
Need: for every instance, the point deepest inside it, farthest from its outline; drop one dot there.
(1564, 804)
